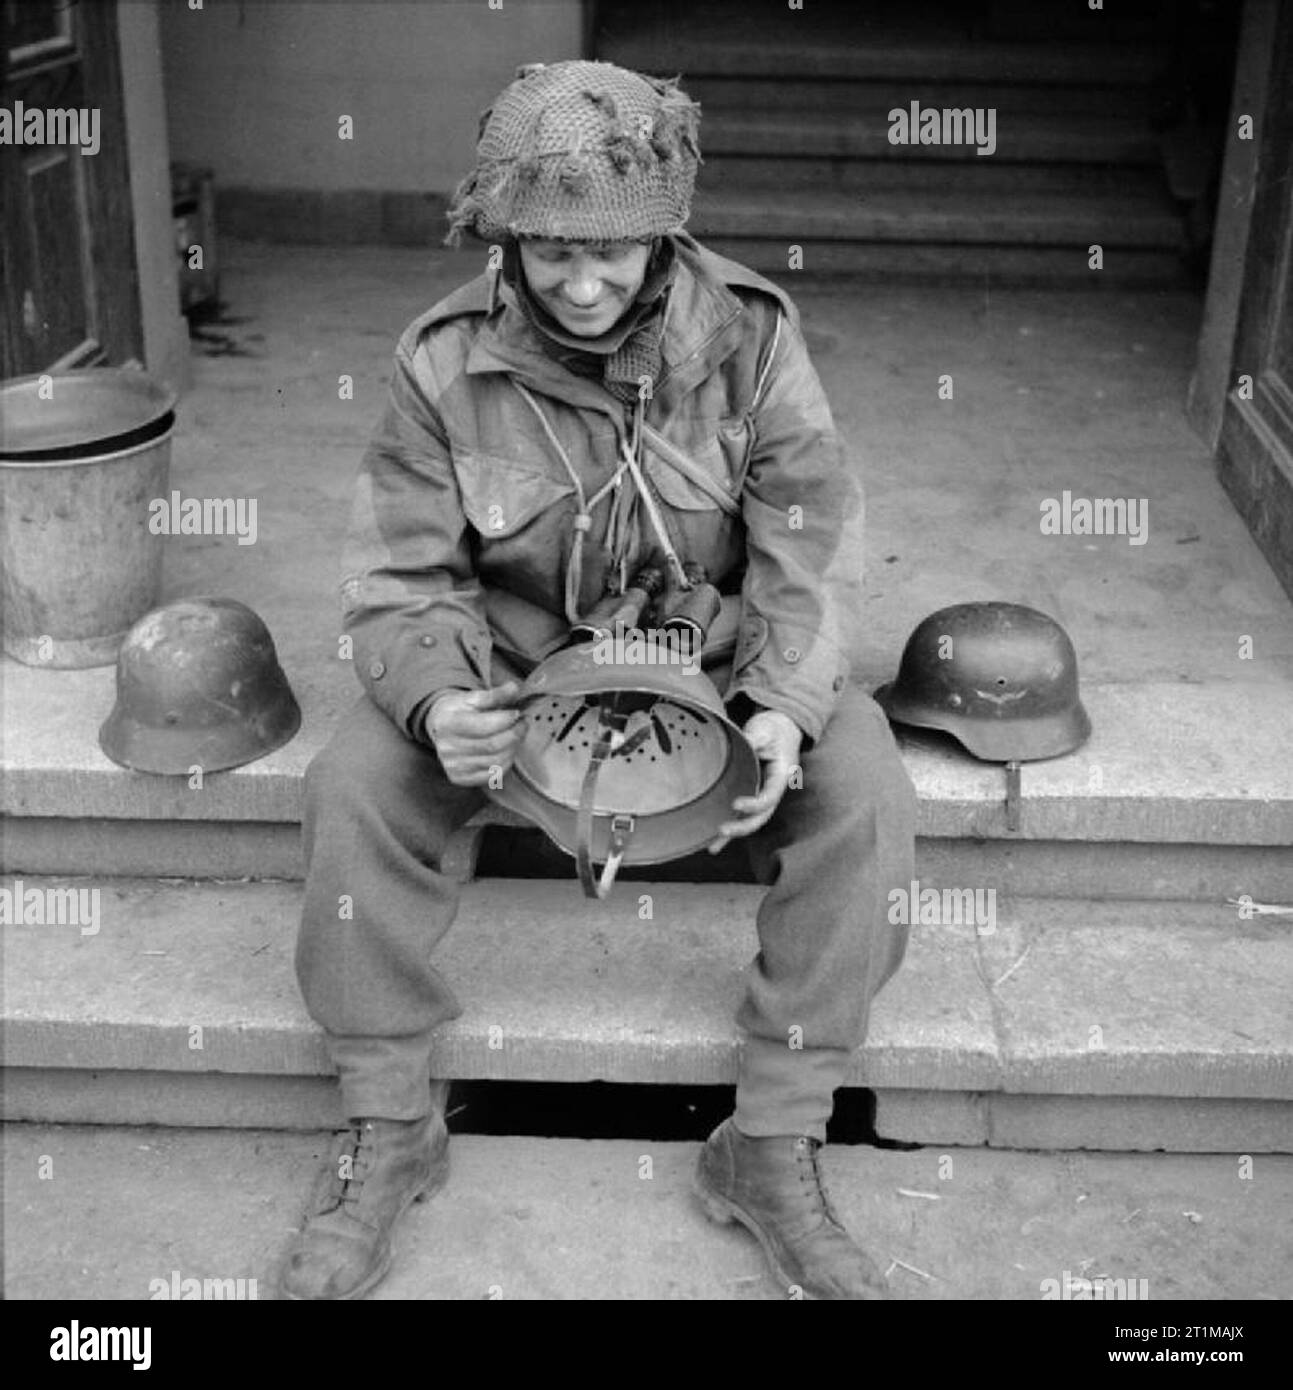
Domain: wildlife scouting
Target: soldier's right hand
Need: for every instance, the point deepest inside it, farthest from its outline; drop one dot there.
(476, 732)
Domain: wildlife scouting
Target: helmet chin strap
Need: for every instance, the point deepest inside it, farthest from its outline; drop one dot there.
(1012, 796)
(610, 743)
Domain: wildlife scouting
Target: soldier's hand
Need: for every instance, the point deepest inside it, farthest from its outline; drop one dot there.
(476, 732)
(775, 738)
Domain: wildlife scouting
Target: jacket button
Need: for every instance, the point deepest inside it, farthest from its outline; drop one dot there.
(427, 640)
(838, 683)
(791, 654)
(377, 670)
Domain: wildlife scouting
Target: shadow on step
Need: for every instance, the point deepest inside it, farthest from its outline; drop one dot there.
(512, 852)
(601, 1110)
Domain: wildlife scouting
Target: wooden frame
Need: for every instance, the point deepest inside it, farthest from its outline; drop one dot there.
(80, 68)
(1255, 455)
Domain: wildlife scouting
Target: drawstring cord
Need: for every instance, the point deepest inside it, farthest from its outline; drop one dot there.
(583, 518)
(631, 457)
(620, 527)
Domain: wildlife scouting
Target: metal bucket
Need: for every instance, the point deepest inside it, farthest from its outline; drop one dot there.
(82, 455)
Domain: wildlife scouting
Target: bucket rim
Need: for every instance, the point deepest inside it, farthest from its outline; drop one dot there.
(134, 442)
(153, 401)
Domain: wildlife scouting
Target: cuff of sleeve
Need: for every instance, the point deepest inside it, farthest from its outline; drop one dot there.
(407, 670)
(743, 703)
(811, 724)
(418, 719)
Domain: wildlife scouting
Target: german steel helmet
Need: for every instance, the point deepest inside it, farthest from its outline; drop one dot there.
(999, 677)
(625, 762)
(198, 684)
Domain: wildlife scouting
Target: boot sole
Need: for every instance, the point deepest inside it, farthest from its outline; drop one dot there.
(434, 1183)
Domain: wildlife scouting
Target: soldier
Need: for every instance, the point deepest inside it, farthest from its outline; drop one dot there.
(517, 475)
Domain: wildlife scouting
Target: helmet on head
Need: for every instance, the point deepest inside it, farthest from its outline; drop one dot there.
(625, 761)
(198, 684)
(999, 677)
(581, 151)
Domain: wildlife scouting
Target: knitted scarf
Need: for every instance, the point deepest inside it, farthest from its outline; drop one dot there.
(630, 349)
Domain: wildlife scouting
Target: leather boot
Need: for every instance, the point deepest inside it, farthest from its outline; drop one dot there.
(344, 1248)
(773, 1187)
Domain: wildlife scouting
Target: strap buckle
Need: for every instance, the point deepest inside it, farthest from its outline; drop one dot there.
(621, 830)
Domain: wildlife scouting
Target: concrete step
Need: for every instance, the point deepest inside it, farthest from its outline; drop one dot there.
(1033, 137)
(831, 262)
(722, 43)
(1181, 792)
(1139, 1024)
(981, 176)
(1025, 19)
(533, 1218)
(236, 850)
(935, 215)
(719, 94)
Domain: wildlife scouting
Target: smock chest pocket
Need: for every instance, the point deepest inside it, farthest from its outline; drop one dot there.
(501, 497)
(708, 474)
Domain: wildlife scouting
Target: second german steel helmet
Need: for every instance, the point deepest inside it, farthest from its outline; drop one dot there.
(198, 684)
(1001, 678)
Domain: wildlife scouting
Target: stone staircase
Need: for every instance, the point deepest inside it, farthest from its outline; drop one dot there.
(1121, 1000)
(796, 127)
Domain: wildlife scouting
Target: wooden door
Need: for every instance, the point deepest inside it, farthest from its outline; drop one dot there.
(1255, 458)
(67, 252)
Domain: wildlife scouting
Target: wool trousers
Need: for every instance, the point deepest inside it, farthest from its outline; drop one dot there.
(379, 811)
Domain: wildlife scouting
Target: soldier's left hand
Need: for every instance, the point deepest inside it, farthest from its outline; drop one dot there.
(775, 738)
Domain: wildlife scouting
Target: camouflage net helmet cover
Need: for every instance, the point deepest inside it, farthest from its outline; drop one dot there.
(581, 151)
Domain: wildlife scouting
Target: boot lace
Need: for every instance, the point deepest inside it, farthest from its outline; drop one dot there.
(807, 1151)
(357, 1147)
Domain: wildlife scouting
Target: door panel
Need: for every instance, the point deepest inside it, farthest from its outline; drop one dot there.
(67, 256)
(1255, 456)
(58, 312)
(1282, 357)
(38, 31)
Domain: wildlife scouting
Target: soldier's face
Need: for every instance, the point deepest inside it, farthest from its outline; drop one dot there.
(585, 285)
